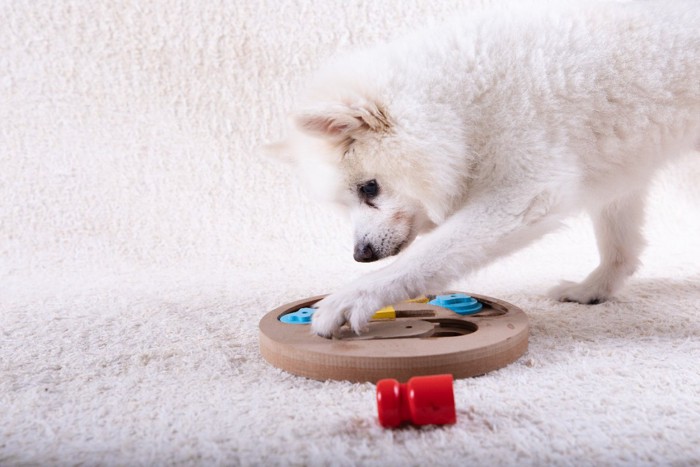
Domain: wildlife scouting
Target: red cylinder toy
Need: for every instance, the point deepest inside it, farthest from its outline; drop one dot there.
(423, 400)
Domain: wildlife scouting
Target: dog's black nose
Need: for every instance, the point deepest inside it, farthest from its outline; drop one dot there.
(364, 253)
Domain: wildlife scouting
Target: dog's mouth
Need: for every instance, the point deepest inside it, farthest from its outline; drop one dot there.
(412, 235)
(405, 243)
(399, 248)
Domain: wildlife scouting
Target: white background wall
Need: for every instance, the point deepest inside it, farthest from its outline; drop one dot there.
(129, 130)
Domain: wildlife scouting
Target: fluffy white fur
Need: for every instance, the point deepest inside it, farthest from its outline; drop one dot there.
(485, 133)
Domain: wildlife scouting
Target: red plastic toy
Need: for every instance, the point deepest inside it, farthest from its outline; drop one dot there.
(423, 400)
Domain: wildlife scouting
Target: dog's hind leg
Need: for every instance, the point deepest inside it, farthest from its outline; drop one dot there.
(618, 228)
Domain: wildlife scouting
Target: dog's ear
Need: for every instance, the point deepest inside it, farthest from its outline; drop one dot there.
(342, 121)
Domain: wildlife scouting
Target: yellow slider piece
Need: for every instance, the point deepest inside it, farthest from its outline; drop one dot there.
(388, 312)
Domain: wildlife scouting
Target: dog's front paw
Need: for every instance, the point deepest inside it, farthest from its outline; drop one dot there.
(353, 305)
(586, 293)
(327, 319)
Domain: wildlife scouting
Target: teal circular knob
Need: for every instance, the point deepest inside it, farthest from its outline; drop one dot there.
(460, 303)
(301, 316)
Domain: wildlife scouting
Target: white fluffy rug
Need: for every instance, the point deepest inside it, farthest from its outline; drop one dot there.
(142, 237)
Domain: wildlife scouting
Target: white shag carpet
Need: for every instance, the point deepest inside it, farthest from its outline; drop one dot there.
(142, 236)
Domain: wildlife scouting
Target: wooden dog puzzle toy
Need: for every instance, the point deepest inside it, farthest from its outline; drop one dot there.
(423, 400)
(456, 333)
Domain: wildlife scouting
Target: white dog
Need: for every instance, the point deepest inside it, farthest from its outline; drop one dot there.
(483, 134)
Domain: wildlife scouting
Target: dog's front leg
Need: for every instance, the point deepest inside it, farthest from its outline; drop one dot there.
(480, 232)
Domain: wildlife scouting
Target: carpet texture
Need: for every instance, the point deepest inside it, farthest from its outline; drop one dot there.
(142, 237)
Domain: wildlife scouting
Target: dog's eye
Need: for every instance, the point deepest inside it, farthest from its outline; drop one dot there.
(369, 190)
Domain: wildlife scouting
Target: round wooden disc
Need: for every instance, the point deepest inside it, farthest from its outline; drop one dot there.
(423, 339)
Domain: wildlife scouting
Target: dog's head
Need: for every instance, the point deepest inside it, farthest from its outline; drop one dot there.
(354, 153)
